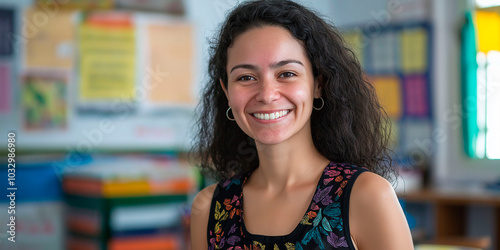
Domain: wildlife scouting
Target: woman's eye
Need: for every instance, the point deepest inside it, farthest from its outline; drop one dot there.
(287, 74)
(245, 78)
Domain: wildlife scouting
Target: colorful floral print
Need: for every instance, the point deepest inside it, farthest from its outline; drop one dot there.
(321, 227)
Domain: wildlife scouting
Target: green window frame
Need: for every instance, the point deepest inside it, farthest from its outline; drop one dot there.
(480, 96)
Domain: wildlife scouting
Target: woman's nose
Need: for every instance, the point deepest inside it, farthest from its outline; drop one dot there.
(268, 91)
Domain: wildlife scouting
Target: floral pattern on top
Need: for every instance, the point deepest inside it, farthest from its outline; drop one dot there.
(321, 227)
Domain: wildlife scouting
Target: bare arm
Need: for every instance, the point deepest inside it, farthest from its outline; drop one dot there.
(377, 221)
(200, 211)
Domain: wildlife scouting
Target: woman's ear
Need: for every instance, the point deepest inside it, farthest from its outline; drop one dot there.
(224, 89)
(318, 83)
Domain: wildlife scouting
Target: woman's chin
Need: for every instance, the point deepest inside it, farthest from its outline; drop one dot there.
(269, 139)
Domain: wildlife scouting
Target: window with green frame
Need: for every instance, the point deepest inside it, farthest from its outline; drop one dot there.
(481, 84)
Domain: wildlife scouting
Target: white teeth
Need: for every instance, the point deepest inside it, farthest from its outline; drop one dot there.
(271, 116)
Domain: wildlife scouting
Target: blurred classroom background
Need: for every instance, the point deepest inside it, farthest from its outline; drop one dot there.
(101, 94)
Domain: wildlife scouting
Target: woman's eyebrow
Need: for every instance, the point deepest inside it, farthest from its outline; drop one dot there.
(272, 65)
(244, 66)
(284, 62)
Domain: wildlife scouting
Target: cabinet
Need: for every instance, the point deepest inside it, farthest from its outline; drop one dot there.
(449, 208)
(123, 223)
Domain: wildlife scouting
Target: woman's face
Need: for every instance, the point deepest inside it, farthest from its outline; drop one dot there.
(270, 85)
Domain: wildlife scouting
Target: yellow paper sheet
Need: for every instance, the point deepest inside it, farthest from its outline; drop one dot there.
(50, 38)
(414, 50)
(78, 4)
(389, 93)
(107, 62)
(354, 40)
(171, 54)
(488, 31)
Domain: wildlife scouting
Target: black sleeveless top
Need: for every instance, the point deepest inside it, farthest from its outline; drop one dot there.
(325, 225)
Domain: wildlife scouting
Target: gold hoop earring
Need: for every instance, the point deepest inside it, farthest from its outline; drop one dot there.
(322, 104)
(227, 114)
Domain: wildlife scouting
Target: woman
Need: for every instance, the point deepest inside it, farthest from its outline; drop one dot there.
(295, 134)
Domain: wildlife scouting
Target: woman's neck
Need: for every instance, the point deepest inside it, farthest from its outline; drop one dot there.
(289, 163)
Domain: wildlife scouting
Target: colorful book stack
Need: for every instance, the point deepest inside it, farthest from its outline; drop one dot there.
(127, 204)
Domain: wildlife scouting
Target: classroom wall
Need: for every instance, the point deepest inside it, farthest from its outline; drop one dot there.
(445, 147)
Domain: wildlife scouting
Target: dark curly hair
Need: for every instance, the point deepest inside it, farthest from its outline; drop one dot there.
(351, 128)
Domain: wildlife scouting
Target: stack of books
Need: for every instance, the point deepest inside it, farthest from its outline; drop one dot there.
(131, 203)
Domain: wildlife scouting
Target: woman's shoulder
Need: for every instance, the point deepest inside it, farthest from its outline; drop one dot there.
(375, 214)
(370, 186)
(203, 199)
(200, 213)
(200, 208)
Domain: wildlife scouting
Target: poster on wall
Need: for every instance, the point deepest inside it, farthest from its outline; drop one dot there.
(51, 45)
(416, 96)
(398, 65)
(170, 74)
(388, 90)
(383, 57)
(7, 31)
(107, 58)
(44, 101)
(413, 50)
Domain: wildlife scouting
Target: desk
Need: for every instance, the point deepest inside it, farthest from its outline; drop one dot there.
(450, 210)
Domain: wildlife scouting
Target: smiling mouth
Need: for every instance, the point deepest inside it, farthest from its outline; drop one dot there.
(271, 116)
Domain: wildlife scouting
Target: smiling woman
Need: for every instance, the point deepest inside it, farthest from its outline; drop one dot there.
(311, 177)
(270, 75)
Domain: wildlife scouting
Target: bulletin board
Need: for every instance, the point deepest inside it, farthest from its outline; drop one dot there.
(97, 80)
(397, 62)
